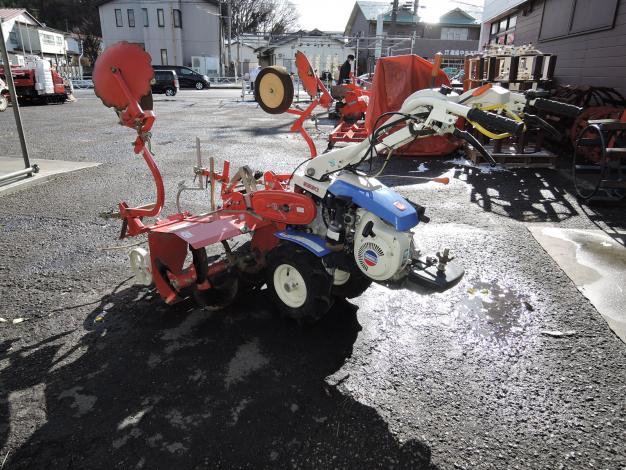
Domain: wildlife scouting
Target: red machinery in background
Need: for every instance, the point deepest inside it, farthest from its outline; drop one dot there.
(395, 79)
(36, 81)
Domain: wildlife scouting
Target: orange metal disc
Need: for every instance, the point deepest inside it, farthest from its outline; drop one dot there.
(135, 66)
(306, 74)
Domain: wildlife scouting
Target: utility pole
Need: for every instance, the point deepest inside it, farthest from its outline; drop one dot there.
(239, 68)
(230, 26)
(28, 169)
(394, 17)
(356, 59)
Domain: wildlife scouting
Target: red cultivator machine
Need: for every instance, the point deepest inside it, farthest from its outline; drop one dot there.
(327, 230)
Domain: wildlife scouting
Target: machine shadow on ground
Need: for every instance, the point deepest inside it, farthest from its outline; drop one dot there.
(151, 386)
(526, 195)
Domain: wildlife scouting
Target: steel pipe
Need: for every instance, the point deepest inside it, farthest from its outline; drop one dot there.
(16, 174)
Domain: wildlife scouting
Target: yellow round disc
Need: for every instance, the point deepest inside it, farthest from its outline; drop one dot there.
(271, 90)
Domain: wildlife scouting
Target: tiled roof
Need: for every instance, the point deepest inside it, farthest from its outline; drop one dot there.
(8, 13)
(371, 10)
(457, 17)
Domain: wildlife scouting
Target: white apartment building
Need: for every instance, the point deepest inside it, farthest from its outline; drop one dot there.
(25, 35)
(171, 31)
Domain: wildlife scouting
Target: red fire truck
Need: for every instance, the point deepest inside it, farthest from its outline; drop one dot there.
(37, 82)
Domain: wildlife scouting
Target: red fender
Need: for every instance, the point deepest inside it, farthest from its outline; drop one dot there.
(284, 207)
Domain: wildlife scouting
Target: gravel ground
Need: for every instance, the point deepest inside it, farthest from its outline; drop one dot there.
(395, 379)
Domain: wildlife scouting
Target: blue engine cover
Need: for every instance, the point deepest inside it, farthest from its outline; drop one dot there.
(383, 202)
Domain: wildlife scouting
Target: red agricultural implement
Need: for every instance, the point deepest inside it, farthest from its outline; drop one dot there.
(326, 231)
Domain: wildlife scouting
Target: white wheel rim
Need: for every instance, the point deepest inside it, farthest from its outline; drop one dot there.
(340, 277)
(199, 86)
(290, 286)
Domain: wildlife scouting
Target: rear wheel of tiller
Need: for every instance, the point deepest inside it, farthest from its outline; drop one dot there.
(299, 283)
(273, 90)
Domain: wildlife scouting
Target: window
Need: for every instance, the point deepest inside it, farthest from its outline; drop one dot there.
(47, 39)
(146, 22)
(118, 18)
(186, 72)
(178, 20)
(163, 56)
(131, 17)
(458, 34)
(503, 30)
(160, 17)
(562, 18)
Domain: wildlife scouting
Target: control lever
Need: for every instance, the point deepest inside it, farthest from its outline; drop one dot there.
(470, 139)
(533, 119)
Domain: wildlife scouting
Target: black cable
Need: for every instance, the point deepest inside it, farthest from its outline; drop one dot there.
(296, 169)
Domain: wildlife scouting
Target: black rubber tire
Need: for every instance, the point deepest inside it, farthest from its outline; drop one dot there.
(355, 286)
(318, 282)
(287, 86)
(199, 86)
(170, 92)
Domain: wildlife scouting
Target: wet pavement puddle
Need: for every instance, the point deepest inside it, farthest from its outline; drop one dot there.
(493, 314)
(596, 263)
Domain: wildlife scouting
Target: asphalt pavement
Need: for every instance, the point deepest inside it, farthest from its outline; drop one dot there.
(96, 372)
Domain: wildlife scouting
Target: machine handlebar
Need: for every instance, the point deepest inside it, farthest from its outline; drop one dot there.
(495, 121)
(556, 107)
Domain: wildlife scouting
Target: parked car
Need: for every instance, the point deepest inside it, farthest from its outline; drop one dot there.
(187, 77)
(4, 96)
(165, 81)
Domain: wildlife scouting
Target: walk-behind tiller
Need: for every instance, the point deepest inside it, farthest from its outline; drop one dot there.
(323, 232)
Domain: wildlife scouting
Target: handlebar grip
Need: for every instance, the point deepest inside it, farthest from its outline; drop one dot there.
(556, 107)
(495, 121)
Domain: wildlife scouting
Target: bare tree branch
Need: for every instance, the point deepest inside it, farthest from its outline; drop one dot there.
(264, 16)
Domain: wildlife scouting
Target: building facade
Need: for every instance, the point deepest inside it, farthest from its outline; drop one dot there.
(588, 37)
(243, 53)
(25, 35)
(326, 51)
(371, 27)
(172, 32)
